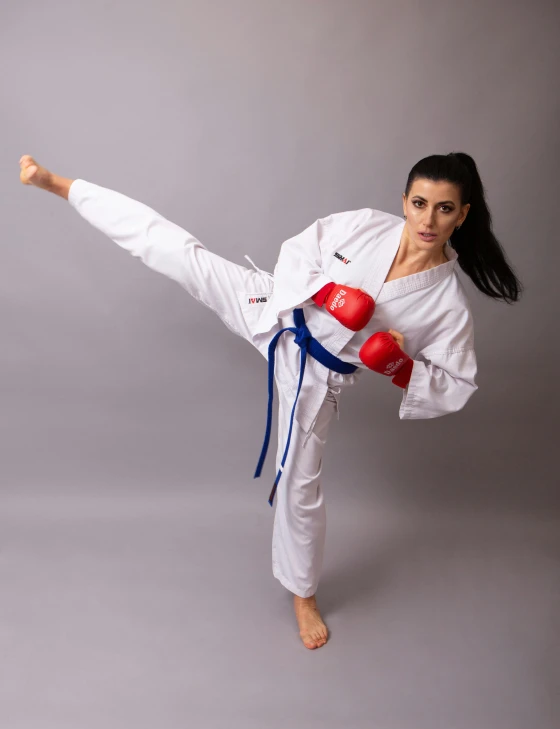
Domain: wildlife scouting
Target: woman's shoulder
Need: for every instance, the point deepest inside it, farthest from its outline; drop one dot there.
(456, 315)
(460, 297)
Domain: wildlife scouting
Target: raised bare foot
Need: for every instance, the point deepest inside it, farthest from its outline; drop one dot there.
(312, 629)
(32, 173)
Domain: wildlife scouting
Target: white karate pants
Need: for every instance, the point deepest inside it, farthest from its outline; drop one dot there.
(226, 288)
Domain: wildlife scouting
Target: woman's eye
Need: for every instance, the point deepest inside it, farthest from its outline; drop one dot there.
(445, 208)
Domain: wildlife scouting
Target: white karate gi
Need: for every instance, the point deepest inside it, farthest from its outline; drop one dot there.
(355, 248)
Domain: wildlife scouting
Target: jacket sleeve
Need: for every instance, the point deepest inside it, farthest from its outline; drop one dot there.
(444, 370)
(299, 271)
(441, 383)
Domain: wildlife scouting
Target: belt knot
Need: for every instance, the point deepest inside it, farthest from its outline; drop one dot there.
(303, 336)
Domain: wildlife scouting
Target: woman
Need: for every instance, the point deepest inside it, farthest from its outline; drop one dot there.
(356, 290)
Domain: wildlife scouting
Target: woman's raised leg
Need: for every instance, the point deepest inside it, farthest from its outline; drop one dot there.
(163, 246)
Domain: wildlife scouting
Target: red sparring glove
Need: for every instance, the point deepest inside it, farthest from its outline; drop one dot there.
(382, 354)
(351, 307)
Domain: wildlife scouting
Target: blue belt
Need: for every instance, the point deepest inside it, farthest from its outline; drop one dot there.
(308, 345)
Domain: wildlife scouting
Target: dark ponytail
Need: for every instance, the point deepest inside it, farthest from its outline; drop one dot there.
(480, 254)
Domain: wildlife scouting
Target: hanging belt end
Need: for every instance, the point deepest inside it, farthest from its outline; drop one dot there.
(273, 493)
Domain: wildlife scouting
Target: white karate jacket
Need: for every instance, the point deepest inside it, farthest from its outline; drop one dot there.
(429, 308)
(356, 248)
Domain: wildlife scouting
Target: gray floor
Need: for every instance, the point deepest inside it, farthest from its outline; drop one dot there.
(141, 611)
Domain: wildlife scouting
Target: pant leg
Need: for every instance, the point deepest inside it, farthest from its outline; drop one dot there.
(298, 538)
(235, 293)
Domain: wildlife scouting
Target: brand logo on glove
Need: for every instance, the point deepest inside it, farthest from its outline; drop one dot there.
(258, 299)
(341, 258)
(392, 366)
(338, 301)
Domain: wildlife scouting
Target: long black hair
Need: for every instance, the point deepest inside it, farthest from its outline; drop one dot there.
(479, 252)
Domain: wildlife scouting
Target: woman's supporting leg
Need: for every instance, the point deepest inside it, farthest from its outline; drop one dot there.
(300, 520)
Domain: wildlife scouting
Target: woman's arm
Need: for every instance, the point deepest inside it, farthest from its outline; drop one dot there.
(298, 273)
(443, 375)
(439, 380)
(301, 271)
(441, 383)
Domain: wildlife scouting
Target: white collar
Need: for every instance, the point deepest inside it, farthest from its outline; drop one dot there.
(420, 280)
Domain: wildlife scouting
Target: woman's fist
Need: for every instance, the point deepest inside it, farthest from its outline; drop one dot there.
(382, 353)
(352, 307)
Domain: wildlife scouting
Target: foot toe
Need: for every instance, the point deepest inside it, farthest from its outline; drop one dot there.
(308, 640)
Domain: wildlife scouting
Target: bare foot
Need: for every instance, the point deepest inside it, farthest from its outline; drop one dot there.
(33, 174)
(312, 629)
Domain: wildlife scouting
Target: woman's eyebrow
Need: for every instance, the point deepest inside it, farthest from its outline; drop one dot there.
(443, 202)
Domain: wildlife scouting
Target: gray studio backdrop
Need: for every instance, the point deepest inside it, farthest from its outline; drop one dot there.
(244, 122)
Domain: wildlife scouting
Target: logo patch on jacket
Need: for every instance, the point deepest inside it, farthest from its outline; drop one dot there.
(342, 258)
(258, 299)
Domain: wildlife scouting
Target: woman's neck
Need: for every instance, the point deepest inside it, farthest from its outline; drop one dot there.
(415, 259)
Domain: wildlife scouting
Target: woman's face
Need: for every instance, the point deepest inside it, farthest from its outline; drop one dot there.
(433, 208)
